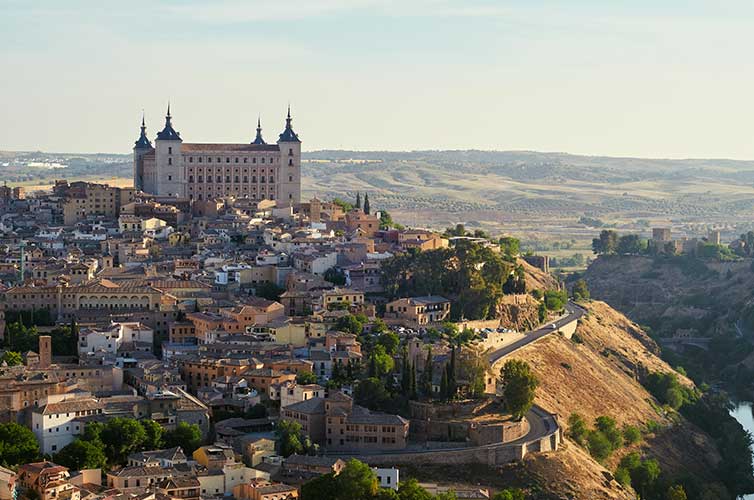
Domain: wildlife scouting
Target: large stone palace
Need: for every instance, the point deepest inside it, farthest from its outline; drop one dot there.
(199, 171)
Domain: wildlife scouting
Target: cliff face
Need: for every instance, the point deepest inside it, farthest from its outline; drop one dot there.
(595, 375)
(671, 294)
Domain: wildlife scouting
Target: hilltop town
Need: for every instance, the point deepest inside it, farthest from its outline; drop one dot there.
(208, 334)
(168, 341)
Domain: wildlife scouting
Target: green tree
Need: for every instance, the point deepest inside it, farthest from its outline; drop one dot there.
(371, 393)
(154, 435)
(367, 208)
(81, 455)
(405, 371)
(631, 434)
(676, 493)
(644, 476)
(609, 428)
(510, 246)
(599, 446)
(350, 324)
(509, 494)
(412, 490)
(390, 341)
(519, 387)
(631, 244)
(356, 481)
(121, 437)
(386, 220)
(268, 290)
(335, 276)
(555, 300)
(187, 436)
(320, 487)
(11, 358)
(383, 363)
(18, 445)
(427, 374)
(607, 243)
(577, 428)
(580, 290)
(622, 476)
(306, 377)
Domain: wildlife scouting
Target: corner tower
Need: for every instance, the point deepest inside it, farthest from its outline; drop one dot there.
(289, 185)
(168, 161)
(142, 146)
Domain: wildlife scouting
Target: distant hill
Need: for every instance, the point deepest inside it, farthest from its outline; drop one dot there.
(500, 191)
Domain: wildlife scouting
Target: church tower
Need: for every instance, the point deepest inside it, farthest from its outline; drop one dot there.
(142, 146)
(168, 161)
(289, 186)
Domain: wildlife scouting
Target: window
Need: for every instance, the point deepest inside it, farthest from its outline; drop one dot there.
(170, 150)
(191, 159)
(170, 177)
(170, 161)
(290, 162)
(200, 159)
(236, 159)
(290, 178)
(262, 160)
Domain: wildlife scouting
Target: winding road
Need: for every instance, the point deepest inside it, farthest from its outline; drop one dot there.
(573, 313)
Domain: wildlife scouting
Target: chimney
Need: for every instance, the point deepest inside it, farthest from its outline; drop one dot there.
(45, 351)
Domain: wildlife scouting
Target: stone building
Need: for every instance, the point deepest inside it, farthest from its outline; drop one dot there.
(199, 171)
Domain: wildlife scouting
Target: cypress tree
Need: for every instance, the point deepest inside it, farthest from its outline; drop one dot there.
(413, 381)
(372, 366)
(75, 336)
(427, 374)
(358, 200)
(335, 371)
(405, 372)
(452, 374)
(444, 384)
(349, 370)
(366, 203)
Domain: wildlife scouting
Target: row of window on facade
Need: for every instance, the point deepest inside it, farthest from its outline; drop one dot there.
(227, 160)
(236, 179)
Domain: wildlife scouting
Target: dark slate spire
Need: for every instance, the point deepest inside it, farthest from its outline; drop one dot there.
(259, 139)
(288, 134)
(168, 133)
(143, 141)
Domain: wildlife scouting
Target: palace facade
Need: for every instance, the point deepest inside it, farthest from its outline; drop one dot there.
(200, 171)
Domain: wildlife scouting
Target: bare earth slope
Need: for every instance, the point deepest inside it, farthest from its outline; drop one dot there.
(599, 377)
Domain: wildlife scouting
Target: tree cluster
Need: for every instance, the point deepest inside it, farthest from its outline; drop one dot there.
(604, 438)
(357, 481)
(471, 275)
(110, 443)
(291, 439)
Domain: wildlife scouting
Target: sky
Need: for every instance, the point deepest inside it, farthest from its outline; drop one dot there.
(659, 78)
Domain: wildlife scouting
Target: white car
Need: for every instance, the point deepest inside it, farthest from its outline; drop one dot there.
(553, 326)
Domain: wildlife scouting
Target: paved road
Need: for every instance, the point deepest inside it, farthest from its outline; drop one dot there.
(573, 312)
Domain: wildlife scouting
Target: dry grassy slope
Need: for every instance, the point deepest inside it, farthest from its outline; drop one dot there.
(598, 377)
(537, 279)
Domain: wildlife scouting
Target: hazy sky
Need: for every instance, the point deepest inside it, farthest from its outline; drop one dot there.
(636, 77)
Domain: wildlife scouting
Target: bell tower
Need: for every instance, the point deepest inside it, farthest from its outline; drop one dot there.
(289, 185)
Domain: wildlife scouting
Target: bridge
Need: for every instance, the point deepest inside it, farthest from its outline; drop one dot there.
(680, 342)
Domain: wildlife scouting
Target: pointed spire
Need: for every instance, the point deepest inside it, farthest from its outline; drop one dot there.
(143, 142)
(259, 139)
(288, 134)
(168, 133)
